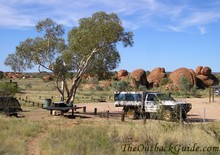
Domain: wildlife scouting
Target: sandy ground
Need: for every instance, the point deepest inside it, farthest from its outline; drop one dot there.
(201, 110)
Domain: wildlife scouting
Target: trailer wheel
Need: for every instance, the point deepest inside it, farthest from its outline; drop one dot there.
(131, 113)
(167, 115)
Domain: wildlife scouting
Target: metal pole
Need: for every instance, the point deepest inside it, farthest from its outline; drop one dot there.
(204, 115)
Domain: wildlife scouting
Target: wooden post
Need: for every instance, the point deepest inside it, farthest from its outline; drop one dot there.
(144, 117)
(33, 104)
(84, 109)
(73, 112)
(95, 111)
(213, 92)
(75, 107)
(209, 95)
(181, 114)
(204, 115)
(107, 114)
(123, 117)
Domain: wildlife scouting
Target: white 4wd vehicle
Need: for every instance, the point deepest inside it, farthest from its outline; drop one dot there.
(153, 104)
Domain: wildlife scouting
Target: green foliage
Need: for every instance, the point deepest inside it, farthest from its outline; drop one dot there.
(164, 81)
(8, 89)
(98, 88)
(185, 84)
(101, 31)
(40, 50)
(95, 39)
(1, 75)
(121, 86)
(142, 88)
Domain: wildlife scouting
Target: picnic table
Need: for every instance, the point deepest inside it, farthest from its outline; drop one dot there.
(63, 108)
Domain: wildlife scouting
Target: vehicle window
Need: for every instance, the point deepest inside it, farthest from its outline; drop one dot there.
(151, 97)
(165, 97)
(127, 97)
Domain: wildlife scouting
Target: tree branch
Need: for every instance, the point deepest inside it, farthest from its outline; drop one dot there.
(78, 76)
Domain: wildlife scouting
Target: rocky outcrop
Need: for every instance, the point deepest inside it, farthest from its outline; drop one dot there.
(155, 77)
(139, 78)
(176, 77)
(122, 74)
(205, 78)
(13, 75)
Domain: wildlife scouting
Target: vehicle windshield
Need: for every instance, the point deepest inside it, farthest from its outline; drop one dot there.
(165, 97)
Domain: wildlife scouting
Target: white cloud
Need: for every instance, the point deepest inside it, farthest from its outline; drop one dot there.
(178, 16)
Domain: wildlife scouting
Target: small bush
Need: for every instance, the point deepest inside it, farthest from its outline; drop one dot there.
(8, 89)
(164, 81)
(98, 88)
(28, 86)
(121, 86)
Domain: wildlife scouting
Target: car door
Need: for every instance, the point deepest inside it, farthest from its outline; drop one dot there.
(150, 104)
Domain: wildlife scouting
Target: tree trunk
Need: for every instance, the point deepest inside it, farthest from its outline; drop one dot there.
(78, 77)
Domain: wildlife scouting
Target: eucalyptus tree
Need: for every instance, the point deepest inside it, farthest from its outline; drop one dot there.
(101, 31)
(91, 47)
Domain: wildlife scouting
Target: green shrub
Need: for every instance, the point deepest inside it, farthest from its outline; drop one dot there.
(98, 88)
(1, 75)
(8, 88)
(28, 86)
(164, 81)
(121, 86)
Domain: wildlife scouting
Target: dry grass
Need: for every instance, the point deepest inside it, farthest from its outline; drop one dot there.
(15, 133)
(109, 137)
(82, 137)
(105, 137)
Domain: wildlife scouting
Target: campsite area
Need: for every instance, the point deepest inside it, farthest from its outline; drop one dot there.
(35, 131)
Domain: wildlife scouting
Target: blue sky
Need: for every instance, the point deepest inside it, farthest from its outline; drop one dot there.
(167, 33)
